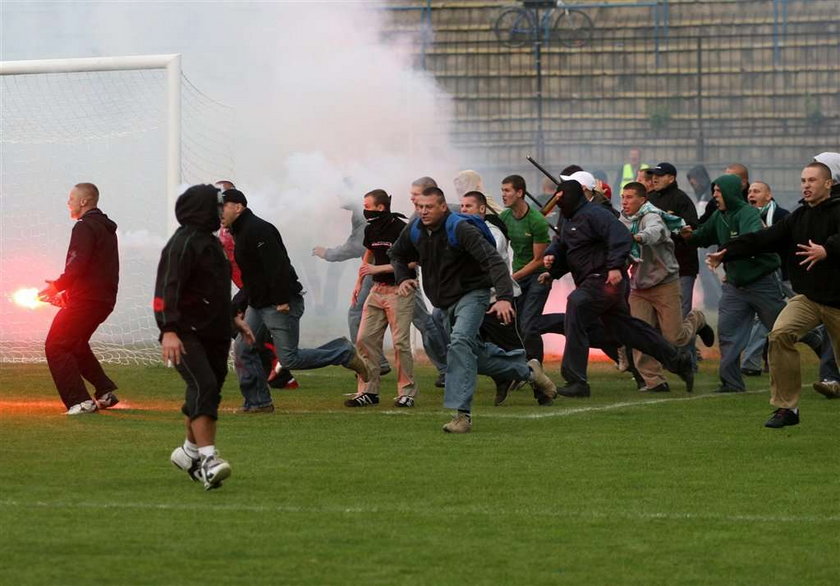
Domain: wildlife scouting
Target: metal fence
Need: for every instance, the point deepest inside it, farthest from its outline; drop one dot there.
(759, 86)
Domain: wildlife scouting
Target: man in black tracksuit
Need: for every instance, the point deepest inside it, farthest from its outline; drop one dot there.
(192, 311)
(271, 297)
(594, 246)
(809, 241)
(86, 293)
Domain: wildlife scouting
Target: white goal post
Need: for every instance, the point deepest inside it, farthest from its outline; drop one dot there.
(172, 65)
(137, 128)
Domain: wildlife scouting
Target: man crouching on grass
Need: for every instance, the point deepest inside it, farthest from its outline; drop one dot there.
(459, 267)
(192, 310)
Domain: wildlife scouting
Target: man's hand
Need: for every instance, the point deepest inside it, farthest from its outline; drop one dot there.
(368, 269)
(172, 348)
(406, 287)
(637, 237)
(713, 259)
(48, 293)
(811, 254)
(686, 232)
(614, 277)
(283, 308)
(320, 252)
(503, 310)
(244, 329)
(544, 279)
(548, 260)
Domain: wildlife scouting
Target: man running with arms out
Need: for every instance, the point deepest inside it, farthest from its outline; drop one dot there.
(459, 267)
(192, 311)
(809, 239)
(86, 293)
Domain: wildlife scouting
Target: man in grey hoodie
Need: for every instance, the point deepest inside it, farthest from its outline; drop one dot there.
(654, 281)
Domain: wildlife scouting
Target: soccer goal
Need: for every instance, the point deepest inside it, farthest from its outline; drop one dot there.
(138, 129)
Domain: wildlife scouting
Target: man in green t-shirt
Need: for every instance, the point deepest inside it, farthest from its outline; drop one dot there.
(528, 233)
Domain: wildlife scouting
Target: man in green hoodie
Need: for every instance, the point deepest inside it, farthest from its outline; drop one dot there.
(752, 286)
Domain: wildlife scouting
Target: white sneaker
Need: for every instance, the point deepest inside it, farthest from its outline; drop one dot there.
(88, 406)
(212, 471)
(181, 459)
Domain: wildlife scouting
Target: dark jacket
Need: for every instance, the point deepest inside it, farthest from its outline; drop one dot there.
(92, 267)
(450, 272)
(592, 241)
(724, 225)
(192, 290)
(268, 276)
(674, 201)
(821, 224)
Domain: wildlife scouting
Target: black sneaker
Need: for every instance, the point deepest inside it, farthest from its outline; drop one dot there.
(575, 390)
(440, 381)
(706, 335)
(660, 388)
(751, 371)
(362, 400)
(384, 369)
(728, 389)
(684, 368)
(782, 418)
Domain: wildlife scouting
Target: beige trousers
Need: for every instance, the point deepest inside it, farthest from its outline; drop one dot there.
(384, 308)
(799, 316)
(660, 306)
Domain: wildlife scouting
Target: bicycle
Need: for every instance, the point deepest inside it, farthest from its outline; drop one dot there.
(517, 26)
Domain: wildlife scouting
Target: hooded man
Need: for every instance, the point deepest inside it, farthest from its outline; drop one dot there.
(192, 311)
(86, 293)
(752, 286)
(809, 238)
(595, 247)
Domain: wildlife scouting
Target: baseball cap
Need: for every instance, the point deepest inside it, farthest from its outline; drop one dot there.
(234, 196)
(585, 178)
(663, 169)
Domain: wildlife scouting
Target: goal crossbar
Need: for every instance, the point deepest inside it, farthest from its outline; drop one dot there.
(172, 65)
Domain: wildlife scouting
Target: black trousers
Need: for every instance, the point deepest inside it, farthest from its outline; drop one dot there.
(69, 356)
(204, 366)
(595, 301)
(555, 323)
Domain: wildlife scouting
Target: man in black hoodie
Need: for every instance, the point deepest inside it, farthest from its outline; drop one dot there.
(192, 311)
(809, 240)
(271, 296)
(86, 293)
(595, 246)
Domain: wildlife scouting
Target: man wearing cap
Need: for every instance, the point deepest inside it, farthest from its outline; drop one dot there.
(668, 197)
(272, 296)
(528, 234)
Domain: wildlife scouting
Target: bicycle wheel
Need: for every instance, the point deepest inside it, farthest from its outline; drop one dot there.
(514, 27)
(572, 28)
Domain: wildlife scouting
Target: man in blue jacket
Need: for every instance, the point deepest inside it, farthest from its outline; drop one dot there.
(595, 246)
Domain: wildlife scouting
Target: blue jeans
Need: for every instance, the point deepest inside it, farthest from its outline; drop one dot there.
(468, 355)
(529, 308)
(285, 331)
(753, 358)
(434, 338)
(354, 316)
(738, 306)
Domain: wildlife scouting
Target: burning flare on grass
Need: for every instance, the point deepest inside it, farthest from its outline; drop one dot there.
(27, 297)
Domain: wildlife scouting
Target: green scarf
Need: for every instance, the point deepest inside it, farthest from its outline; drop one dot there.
(672, 223)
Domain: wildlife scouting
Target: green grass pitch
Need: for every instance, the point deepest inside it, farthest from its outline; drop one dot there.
(622, 488)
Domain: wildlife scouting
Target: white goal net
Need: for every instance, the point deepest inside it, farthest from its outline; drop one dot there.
(139, 134)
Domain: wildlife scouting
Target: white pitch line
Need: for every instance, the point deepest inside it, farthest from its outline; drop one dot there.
(495, 511)
(547, 412)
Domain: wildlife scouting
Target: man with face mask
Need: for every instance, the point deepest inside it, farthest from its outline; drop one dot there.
(383, 307)
(595, 247)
